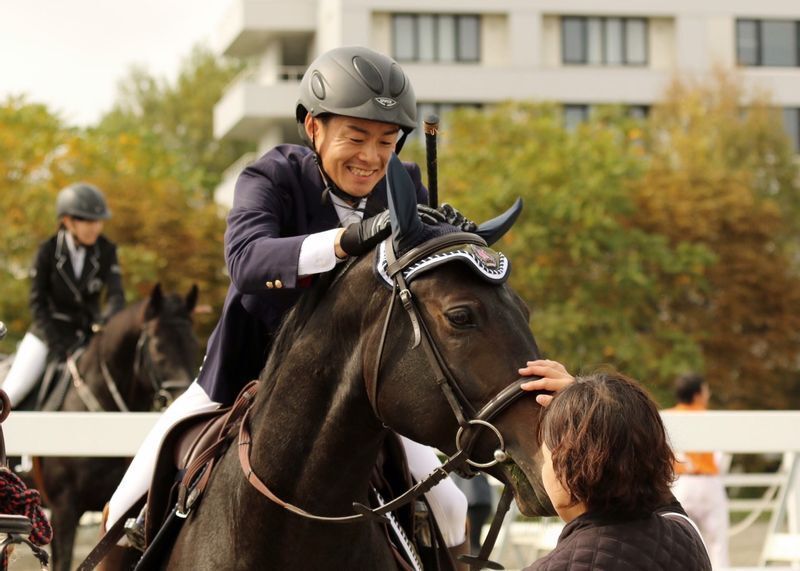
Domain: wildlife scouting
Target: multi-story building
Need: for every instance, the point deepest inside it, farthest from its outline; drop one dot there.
(578, 53)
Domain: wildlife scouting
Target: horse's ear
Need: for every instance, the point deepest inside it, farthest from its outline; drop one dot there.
(191, 298)
(406, 225)
(492, 230)
(155, 303)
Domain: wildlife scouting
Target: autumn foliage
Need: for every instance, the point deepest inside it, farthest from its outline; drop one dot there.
(657, 245)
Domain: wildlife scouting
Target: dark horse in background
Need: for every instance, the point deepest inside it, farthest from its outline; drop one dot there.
(324, 410)
(147, 354)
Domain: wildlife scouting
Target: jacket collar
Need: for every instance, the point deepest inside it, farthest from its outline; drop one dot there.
(91, 265)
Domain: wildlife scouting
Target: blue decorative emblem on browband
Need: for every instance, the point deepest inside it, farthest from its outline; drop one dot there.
(490, 265)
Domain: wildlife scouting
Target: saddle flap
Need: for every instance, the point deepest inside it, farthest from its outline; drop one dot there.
(182, 447)
(183, 442)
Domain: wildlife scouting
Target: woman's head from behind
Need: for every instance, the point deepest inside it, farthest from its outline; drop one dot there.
(605, 449)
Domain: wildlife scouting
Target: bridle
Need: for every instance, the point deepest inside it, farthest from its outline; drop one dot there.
(143, 365)
(466, 414)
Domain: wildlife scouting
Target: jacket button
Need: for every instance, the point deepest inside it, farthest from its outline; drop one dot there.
(278, 284)
(270, 285)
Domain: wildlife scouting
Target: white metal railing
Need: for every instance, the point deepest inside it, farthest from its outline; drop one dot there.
(751, 432)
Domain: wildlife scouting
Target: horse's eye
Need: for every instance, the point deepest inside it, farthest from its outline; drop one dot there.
(461, 317)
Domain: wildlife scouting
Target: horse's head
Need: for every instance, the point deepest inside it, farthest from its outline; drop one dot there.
(167, 349)
(456, 337)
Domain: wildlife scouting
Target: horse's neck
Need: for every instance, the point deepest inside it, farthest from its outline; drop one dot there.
(113, 356)
(315, 435)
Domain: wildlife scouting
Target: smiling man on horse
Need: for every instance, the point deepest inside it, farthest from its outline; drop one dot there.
(297, 212)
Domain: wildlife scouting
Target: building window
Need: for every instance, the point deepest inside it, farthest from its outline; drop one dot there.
(774, 43)
(791, 122)
(436, 38)
(574, 115)
(603, 41)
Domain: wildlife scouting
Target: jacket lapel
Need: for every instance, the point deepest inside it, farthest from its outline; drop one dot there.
(91, 265)
(64, 266)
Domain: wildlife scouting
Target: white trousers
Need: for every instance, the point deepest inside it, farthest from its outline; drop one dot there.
(704, 499)
(27, 368)
(448, 504)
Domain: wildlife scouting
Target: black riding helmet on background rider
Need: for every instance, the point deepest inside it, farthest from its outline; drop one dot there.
(82, 208)
(82, 200)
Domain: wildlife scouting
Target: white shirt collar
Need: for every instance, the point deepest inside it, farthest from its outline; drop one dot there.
(348, 214)
(77, 254)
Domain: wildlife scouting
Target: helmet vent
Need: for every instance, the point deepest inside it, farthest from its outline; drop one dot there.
(318, 86)
(397, 80)
(369, 73)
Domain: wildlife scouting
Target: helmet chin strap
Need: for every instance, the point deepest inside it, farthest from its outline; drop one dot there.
(332, 188)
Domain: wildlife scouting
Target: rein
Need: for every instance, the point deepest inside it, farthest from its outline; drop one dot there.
(463, 410)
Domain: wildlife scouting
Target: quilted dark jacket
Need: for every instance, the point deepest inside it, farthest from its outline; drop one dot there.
(654, 543)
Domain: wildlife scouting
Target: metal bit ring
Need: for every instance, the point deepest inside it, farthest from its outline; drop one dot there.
(499, 454)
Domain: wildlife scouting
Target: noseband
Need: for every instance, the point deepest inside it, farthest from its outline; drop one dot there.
(143, 364)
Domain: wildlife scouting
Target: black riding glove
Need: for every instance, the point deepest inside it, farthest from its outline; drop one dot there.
(430, 215)
(448, 214)
(455, 218)
(360, 237)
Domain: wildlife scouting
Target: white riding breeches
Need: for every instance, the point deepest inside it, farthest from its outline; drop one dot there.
(705, 501)
(27, 368)
(448, 504)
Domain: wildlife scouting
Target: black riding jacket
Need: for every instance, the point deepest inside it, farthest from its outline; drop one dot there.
(64, 307)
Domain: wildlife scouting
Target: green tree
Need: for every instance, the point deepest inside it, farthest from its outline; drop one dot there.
(34, 150)
(726, 179)
(590, 277)
(155, 158)
(178, 117)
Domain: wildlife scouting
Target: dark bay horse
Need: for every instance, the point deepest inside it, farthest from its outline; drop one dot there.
(325, 407)
(143, 358)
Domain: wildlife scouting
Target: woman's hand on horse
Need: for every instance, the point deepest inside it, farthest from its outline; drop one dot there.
(554, 377)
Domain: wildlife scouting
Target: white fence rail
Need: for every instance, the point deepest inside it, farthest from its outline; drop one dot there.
(748, 432)
(118, 434)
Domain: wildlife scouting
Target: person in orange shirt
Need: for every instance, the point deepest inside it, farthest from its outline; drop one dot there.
(699, 487)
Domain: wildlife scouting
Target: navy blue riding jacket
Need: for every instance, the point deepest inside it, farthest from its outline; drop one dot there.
(277, 203)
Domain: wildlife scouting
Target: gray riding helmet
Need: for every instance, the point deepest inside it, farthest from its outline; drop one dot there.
(357, 82)
(82, 200)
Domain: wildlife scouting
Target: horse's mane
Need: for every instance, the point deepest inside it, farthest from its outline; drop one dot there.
(296, 319)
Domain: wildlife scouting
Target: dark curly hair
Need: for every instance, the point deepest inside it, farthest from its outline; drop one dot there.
(609, 447)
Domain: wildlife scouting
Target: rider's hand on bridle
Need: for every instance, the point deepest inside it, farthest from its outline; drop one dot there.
(360, 237)
(554, 377)
(445, 214)
(455, 218)
(430, 215)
